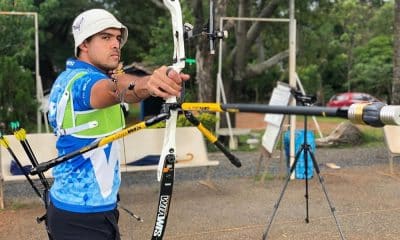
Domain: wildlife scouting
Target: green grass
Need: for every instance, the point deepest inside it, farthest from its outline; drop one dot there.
(372, 137)
(329, 119)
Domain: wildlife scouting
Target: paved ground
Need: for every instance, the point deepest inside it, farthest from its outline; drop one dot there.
(237, 207)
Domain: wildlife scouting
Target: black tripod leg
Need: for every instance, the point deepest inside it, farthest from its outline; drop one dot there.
(332, 208)
(276, 206)
(306, 150)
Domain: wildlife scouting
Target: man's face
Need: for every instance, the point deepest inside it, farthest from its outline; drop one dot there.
(103, 49)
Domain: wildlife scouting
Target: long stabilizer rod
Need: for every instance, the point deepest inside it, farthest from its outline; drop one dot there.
(372, 114)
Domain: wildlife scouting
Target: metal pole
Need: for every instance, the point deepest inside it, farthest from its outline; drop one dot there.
(283, 20)
(218, 93)
(221, 93)
(39, 91)
(292, 76)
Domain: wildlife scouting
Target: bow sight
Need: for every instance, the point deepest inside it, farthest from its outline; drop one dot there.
(207, 30)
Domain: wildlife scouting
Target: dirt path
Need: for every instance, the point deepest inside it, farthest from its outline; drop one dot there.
(366, 201)
(365, 196)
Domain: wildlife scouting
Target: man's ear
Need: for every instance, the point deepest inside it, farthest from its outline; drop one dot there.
(83, 47)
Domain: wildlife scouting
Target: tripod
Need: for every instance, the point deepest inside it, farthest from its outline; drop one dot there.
(307, 151)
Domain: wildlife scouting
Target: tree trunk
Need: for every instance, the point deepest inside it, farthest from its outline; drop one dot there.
(257, 69)
(205, 60)
(235, 62)
(255, 29)
(204, 78)
(396, 57)
(246, 36)
(241, 42)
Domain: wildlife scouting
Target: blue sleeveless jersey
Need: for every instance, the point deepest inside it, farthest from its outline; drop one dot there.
(88, 182)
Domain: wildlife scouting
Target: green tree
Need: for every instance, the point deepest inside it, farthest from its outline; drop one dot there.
(337, 43)
(17, 99)
(17, 64)
(352, 31)
(374, 67)
(396, 55)
(330, 33)
(57, 40)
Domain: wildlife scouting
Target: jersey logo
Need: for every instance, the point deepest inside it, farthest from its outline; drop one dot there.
(104, 166)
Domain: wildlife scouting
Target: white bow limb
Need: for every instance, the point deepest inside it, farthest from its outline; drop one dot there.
(169, 146)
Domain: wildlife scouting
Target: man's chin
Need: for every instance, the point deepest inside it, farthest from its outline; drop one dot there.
(110, 66)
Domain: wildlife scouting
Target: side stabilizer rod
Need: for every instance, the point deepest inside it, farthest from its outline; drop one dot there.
(44, 166)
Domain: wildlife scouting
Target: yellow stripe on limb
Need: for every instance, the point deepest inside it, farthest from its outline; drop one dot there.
(207, 133)
(4, 142)
(212, 107)
(122, 133)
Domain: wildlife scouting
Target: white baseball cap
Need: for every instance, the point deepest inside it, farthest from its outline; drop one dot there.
(94, 21)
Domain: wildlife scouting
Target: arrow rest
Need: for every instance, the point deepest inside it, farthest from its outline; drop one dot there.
(187, 31)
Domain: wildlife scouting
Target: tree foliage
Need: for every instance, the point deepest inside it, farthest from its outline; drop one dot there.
(341, 45)
(338, 35)
(374, 67)
(396, 55)
(17, 96)
(17, 64)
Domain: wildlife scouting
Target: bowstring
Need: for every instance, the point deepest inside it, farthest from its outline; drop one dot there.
(122, 105)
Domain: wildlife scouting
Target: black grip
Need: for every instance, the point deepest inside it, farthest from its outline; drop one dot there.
(232, 158)
(42, 167)
(371, 114)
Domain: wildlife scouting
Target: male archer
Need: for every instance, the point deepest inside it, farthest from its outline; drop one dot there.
(84, 106)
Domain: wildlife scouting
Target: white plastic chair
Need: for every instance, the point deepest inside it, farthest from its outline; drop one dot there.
(392, 139)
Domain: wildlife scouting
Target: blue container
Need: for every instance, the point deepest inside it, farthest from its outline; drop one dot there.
(300, 172)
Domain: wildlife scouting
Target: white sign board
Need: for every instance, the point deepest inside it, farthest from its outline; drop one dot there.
(280, 96)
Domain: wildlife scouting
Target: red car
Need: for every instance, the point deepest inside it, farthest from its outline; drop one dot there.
(348, 98)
